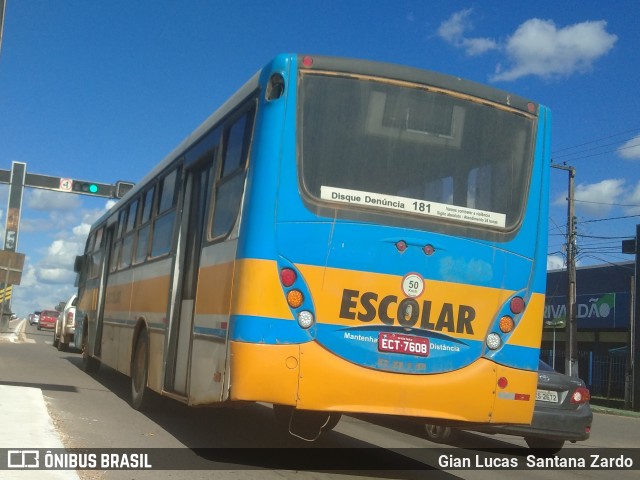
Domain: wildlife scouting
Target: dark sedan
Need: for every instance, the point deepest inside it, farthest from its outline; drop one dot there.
(562, 413)
(48, 319)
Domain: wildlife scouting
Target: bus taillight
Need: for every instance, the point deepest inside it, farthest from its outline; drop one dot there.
(287, 277)
(401, 245)
(506, 324)
(517, 305)
(295, 298)
(306, 319)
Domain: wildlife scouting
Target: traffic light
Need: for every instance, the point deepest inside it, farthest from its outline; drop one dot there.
(122, 188)
(85, 187)
(92, 188)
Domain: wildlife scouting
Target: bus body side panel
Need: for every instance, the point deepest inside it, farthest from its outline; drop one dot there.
(211, 375)
(132, 295)
(211, 321)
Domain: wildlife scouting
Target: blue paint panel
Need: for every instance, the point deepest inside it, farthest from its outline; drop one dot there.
(517, 356)
(272, 331)
(220, 333)
(371, 248)
(359, 345)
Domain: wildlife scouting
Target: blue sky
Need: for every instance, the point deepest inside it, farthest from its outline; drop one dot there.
(103, 90)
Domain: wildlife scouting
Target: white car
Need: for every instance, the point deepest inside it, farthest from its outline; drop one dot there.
(65, 325)
(34, 318)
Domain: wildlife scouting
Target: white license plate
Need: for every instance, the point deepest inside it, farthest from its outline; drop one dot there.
(547, 396)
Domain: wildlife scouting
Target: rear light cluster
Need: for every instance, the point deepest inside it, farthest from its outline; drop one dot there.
(295, 297)
(70, 318)
(580, 395)
(506, 324)
(402, 246)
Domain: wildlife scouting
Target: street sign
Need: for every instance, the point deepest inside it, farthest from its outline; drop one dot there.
(11, 264)
(629, 246)
(5, 293)
(66, 184)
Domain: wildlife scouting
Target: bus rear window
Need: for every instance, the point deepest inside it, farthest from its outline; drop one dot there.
(405, 149)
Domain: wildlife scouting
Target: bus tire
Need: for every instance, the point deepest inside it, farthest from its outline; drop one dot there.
(140, 372)
(439, 434)
(544, 446)
(89, 363)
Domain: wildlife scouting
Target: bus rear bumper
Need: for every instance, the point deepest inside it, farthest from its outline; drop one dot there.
(310, 377)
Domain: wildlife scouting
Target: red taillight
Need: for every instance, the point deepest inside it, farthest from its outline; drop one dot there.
(580, 395)
(287, 277)
(307, 61)
(517, 305)
(401, 245)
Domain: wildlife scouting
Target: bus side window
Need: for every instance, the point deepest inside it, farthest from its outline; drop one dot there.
(117, 243)
(230, 187)
(162, 235)
(127, 240)
(142, 243)
(95, 254)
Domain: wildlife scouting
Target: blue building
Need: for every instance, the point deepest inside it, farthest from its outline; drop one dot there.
(603, 305)
(604, 312)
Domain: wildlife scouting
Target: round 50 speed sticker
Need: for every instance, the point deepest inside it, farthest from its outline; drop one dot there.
(412, 285)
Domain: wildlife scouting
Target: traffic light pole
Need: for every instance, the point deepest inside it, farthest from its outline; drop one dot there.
(18, 178)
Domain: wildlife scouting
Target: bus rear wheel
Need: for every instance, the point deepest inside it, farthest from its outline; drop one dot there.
(439, 433)
(140, 373)
(89, 363)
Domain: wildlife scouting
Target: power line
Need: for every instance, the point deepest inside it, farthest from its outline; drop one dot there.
(610, 218)
(605, 203)
(598, 140)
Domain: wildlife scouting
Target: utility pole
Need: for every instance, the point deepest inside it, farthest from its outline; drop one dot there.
(571, 340)
(632, 385)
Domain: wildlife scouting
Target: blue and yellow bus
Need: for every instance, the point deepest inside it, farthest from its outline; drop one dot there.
(340, 236)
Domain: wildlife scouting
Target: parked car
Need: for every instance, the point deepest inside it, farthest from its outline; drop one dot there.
(48, 319)
(562, 413)
(34, 317)
(65, 325)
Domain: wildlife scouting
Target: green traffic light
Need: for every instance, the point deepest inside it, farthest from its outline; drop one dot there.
(93, 188)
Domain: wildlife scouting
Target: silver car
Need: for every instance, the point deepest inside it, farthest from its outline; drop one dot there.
(561, 413)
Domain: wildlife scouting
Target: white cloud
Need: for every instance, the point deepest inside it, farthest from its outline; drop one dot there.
(453, 31)
(631, 149)
(478, 46)
(55, 276)
(597, 198)
(555, 262)
(539, 48)
(633, 199)
(48, 200)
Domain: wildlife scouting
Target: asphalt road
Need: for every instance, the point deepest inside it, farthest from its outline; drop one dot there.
(92, 412)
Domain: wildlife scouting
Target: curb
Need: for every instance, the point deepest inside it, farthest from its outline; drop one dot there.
(614, 411)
